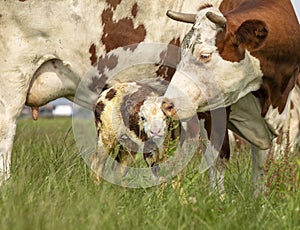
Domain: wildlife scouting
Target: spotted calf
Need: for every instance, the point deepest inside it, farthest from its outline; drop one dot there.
(128, 116)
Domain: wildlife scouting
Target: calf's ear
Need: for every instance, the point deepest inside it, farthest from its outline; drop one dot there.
(252, 34)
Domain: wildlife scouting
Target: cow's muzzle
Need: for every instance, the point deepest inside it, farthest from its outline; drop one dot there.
(169, 109)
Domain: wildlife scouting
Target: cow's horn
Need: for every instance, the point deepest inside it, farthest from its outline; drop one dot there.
(217, 19)
(189, 18)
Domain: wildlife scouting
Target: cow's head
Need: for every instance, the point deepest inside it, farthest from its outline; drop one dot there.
(216, 67)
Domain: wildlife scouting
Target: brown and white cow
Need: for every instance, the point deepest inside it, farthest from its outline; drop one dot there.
(244, 54)
(47, 48)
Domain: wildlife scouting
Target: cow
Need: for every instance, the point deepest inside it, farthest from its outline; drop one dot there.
(243, 55)
(47, 48)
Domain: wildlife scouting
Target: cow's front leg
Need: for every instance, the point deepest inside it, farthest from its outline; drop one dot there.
(217, 151)
(217, 168)
(258, 170)
(8, 123)
(13, 90)
(7, 133)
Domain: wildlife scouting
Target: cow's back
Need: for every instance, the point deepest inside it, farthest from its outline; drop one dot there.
(81, 32)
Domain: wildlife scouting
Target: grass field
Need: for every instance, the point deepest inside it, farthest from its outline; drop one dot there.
(51, 188)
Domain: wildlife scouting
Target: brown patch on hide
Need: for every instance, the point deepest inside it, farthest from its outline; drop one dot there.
(168, 60)
(229, 5)
(22, 0)
(228, 47)
(99, 83)
(108, 62)
(207, 5)
(280, 137)
(276, 88)
(92, 51)
(134, 10)
(111, 94)
(215, 140)
(292, 105)
(113, 3)
(252, 34)
(130, 108)
(259, 27)
(131, 119)
(121, 33)
(99, 108)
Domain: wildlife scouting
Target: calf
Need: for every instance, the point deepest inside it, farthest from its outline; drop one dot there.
(129, 116)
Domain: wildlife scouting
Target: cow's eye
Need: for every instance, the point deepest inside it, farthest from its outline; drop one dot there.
(205, 57)
(143, 118)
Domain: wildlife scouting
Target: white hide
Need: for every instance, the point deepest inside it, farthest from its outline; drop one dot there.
(286, 124)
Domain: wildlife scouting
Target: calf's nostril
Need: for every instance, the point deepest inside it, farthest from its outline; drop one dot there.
(155, 132)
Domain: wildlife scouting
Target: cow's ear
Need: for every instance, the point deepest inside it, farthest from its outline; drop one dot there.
(252, 34)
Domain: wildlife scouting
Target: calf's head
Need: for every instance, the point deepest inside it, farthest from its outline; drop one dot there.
(152, 118)
(216, 67)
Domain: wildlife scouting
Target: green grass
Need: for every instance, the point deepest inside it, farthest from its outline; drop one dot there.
(51, 188)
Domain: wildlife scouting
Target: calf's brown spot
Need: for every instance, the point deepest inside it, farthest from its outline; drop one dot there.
(111, 94)
(99, 108)
(113, 3)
